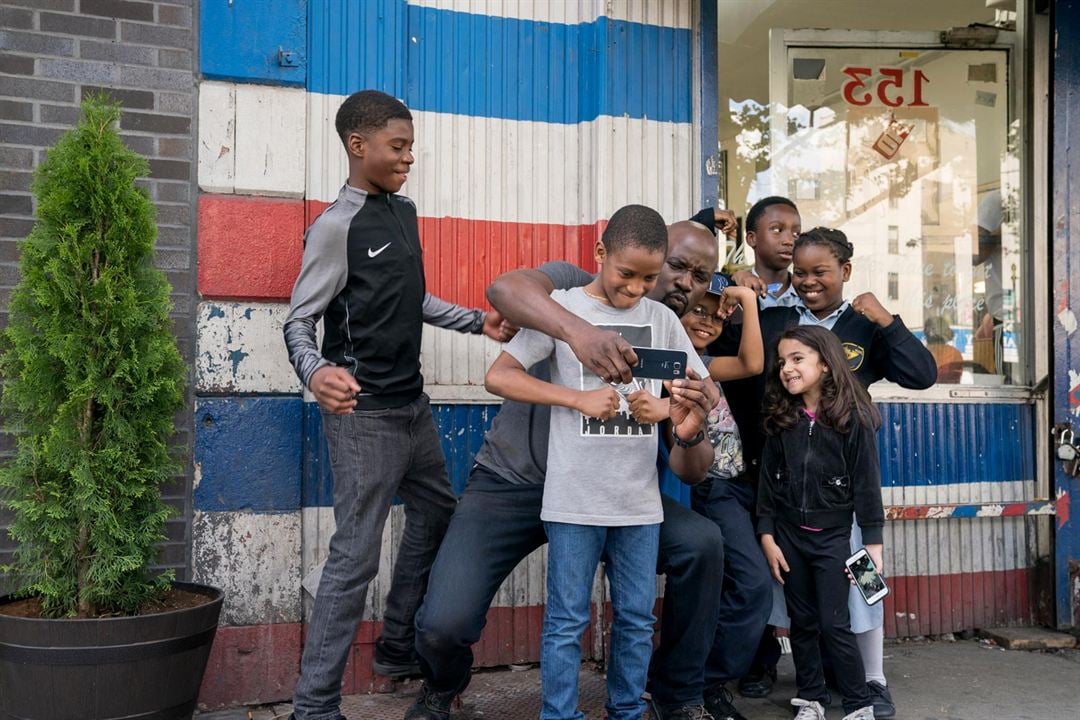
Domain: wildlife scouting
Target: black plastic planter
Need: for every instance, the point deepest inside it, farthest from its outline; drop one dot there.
(147, 667)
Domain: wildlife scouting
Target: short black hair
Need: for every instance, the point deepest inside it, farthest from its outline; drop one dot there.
(635, 226)
(758, 209)
(368, 111)
(835, 240)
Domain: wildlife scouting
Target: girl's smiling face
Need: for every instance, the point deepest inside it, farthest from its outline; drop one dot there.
(701, 322)
(801, 368)
(818, 277)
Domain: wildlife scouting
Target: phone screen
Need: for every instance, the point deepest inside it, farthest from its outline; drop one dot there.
(866, 576)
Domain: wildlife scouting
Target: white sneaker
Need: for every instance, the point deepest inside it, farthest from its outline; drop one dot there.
(866, 713)
(811, 710)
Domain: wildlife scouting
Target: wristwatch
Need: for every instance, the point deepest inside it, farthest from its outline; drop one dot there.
(688, 443)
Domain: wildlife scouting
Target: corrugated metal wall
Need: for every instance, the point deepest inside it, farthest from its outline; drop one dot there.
(967, 471)
(534, 121)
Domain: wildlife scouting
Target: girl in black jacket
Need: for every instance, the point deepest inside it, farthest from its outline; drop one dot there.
(819, 467)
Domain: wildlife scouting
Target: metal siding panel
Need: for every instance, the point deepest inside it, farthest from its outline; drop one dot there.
(670, 13)
(497, 67)
(981, 448)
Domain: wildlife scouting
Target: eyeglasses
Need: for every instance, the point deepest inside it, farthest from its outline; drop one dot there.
(699, 312)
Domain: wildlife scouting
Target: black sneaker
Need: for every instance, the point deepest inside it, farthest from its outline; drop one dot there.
(685, 712)
(882, 699)
(758, 686)
(394, 665)
(431, 705)
(718, 703)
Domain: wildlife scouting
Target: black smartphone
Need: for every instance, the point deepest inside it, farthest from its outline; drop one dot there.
(659, 364)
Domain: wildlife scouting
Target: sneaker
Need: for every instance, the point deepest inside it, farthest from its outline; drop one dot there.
(406, 666)
(758, 686)
(718, 703)
(808, 709)
(686, 712)
(431, 705)
(866, 713)
(882, 699)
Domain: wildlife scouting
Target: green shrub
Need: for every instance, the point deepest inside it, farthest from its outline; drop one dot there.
(92, 381)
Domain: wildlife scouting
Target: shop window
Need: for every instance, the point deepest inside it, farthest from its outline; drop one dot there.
(889, 141)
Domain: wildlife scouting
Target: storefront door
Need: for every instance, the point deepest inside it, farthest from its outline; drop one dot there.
(904, 144)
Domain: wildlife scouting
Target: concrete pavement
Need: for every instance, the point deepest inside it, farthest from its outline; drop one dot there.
(930, 680)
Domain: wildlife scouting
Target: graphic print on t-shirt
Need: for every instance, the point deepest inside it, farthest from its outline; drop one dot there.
(623, 424)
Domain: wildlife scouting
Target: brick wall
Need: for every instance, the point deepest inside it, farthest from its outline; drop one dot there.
(54, 52)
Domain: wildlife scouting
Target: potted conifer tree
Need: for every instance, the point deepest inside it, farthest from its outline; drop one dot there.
(92, 381)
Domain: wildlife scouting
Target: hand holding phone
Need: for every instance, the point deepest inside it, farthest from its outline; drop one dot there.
(865, 575)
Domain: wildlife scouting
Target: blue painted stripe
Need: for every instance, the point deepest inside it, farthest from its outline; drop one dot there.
(268, 454)
(461, 432)
(248, 454)
(483, 66)
(947, 443)
(244, 41)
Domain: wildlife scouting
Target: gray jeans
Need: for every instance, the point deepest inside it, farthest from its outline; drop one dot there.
(375, 455)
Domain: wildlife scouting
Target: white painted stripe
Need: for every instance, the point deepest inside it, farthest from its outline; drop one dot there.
(241, 349)
(960, 493)
(251, 139)
(451, 358)
(945, 547)
(217, 136)
(665, 13)
(255, 559)
(527, 172)
(525, 586)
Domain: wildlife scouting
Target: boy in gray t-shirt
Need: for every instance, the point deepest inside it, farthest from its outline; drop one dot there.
(602, 496)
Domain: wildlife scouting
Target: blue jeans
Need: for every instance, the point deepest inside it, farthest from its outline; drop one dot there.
(574, 551)
(375, 454)
(746, 597)
(497, 524)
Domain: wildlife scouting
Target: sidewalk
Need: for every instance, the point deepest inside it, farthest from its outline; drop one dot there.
(962, 680)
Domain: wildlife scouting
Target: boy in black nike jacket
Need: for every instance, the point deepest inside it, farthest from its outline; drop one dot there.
(363, 273)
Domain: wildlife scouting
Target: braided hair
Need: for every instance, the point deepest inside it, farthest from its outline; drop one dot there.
(834, 240)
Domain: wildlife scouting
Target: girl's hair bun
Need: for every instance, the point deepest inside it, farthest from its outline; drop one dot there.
(831, 238)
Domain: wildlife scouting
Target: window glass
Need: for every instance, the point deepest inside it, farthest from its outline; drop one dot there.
(911, 152)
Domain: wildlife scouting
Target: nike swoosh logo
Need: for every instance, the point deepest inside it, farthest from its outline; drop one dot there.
(373, 253)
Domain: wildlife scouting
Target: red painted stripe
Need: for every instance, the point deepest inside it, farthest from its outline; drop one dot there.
(249, 248)
(960, 601)
(462, 257)
(252, 664)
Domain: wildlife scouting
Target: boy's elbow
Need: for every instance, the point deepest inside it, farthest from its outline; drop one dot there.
(491, 382)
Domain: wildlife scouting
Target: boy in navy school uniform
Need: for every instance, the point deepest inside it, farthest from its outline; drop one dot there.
(363, 270)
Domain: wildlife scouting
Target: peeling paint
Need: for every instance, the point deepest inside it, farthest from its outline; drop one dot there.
(1067, 318)
(1074, 392)
(241, 349)
(255, 559)
(1062, 507)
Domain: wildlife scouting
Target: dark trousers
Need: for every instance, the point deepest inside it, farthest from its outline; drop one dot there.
(497, 524)
(816, 591)
(375, 454)
(746, 596)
